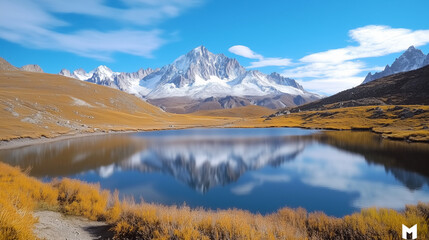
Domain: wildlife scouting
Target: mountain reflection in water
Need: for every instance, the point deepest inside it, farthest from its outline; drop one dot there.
(288, 165)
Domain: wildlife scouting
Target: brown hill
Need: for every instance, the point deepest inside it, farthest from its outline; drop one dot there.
(400, 89)
(242, 112)
(6, 66)
(40, 104)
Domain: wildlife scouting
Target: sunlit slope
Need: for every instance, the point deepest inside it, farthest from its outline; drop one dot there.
(404, 122)
(241, 112)
(40, 104)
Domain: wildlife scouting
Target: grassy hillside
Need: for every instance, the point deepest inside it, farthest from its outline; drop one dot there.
(40, 104)
(241, 112)
(405, 122)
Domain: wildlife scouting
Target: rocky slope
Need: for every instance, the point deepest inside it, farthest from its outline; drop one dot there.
(32, 68)
(6, 66)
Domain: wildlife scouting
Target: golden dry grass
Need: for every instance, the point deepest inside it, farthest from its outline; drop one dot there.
(251, 111)
(21, 194)
(413, 128)
(39, 104)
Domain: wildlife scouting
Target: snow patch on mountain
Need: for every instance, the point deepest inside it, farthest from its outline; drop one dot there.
(201, 74)
(410, 60)
(102, 75)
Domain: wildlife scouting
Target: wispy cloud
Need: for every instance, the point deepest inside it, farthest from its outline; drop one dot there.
(326, 168)
(38, 24)
(258, 179)
(374, 41)
(334, 70)
(246, 52)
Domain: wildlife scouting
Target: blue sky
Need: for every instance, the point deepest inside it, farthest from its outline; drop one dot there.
(326, 45)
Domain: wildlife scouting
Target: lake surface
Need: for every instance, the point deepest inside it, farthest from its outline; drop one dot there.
(260, 170)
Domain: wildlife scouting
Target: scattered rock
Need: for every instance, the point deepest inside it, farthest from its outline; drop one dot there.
(396, 108)
(419, 111)
(406, 113)
(327, 114)
(378, 113)
(32, 68)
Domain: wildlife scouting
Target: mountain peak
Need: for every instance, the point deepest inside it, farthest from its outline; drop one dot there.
(411, 52)
(80, 70)
(411, 48)
(6, 66)
(199, 52)
(65, 72)
(104, 69)
(32, 68)
(200, 48)
(411, 59)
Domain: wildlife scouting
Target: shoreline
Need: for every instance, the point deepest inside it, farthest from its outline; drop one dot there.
(24, 142)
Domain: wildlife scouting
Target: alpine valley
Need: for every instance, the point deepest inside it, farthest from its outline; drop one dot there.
(201, 80)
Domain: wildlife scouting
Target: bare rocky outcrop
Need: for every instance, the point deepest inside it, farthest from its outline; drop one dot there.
(6, 66)
(32, 68)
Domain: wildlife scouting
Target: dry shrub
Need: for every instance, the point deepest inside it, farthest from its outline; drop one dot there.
(115, 208)
(19, 195)
(150, 221)
(82, 199)
(15, 222)
(321, 226)
(139, 223)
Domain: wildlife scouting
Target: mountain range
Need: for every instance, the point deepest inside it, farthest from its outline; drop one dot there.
(201, 80)
(410, 60)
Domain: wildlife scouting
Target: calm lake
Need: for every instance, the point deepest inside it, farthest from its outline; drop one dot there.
(260, 170)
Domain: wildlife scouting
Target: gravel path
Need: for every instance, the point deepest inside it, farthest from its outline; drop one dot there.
(54, 225)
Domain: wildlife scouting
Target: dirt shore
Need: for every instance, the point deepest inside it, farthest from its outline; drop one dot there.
(22, 142)
(55, 226)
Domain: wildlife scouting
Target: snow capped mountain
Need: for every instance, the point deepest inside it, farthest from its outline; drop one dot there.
(102, 75)
(410, 60)
(201, 74)
(203, 163)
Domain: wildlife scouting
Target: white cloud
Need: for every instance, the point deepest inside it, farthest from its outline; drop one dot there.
(323, 69)
(328, 86)
(36, 24)
(339, 69)
(258, 179)
(246, 52)
(374, 41)
(279, 62)
(343, 171)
